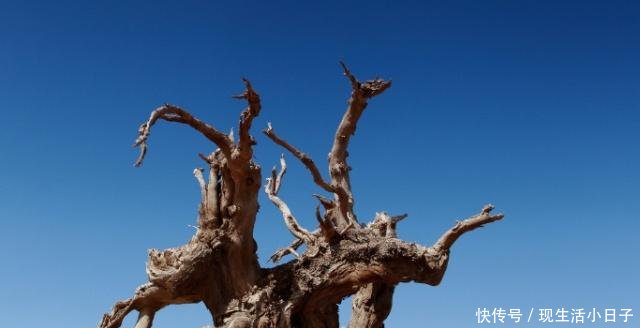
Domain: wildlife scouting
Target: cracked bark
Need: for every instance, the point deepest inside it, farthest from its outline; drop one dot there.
(219, 266)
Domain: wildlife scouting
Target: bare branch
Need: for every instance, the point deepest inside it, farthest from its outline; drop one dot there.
(341, 193)
(398, 218)
(212, 200)
(338, 167)
(304, 158)
(118, 313)
(385, 260)
(173, 113)
(147, 299)
(448, 238)
(205, 158)
(246, 118)
(209, 211)
(145, 318)
(360, 94)
(354, 81)
(278, 178)
(369, 88)
(197, 173)
(231, 137)
(291, 249)
(385, 225)
(219, 265)
(326, 203)
(271, 189)
(326, 226)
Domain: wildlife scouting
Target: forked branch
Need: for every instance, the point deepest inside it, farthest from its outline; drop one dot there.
(385, 225)
(304, 158)
(246, 118)
(291, 249)
(219, 265)
(327, 227)
(342, 194)
(338, 168)
(209, 210)
(271, 188)
(477, 221)
(360, 94)
(148, 299)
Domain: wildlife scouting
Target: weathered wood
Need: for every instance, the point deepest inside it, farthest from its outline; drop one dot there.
(219, 266)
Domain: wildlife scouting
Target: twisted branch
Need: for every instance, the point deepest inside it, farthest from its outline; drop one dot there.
(338, 167)
(148, 299)
(304, 158)
(477, 221)
(174, 113)
(246, 118)
(271, 189)
(341, 193)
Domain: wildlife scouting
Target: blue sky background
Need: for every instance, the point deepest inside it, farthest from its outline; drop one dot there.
(531, 105)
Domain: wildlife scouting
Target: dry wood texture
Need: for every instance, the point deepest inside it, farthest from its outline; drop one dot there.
(343, 257)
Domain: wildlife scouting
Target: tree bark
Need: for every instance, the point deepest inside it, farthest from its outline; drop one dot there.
(145, 319)
(343, 257)
(371, 305)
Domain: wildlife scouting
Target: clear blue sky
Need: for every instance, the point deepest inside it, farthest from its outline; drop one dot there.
(531, 105)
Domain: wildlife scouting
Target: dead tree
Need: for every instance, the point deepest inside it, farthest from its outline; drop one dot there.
(343, 257)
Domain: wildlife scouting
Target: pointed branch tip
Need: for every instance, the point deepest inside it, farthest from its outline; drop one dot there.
(477, 221)
(488, 208)
(399, 218)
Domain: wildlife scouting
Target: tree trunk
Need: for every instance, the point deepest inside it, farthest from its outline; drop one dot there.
(371, 305)
(219, 266)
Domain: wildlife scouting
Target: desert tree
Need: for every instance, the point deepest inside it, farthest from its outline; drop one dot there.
(342, 256)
